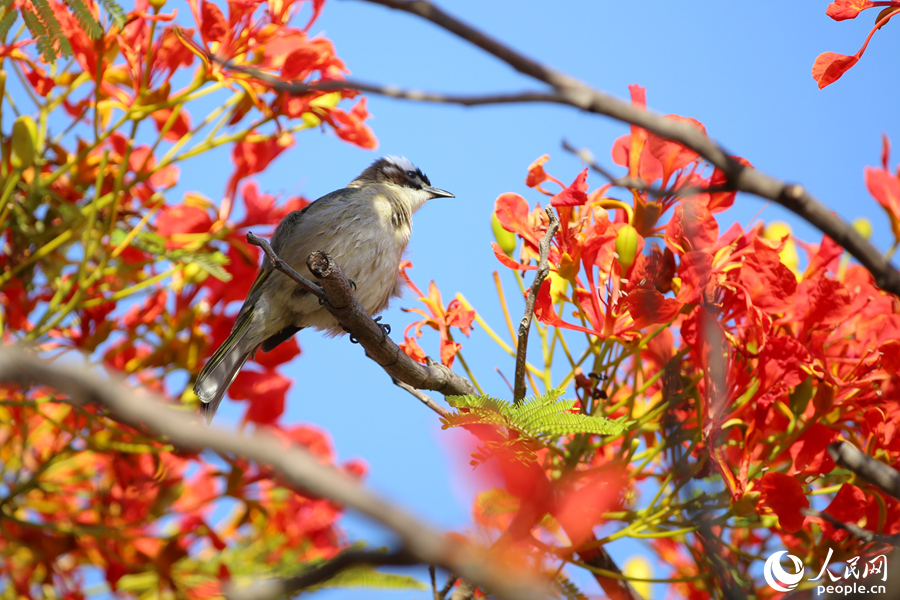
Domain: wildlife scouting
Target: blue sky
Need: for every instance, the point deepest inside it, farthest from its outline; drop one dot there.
(742, 69)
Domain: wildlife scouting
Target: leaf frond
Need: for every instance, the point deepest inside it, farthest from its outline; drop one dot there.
(85, 18)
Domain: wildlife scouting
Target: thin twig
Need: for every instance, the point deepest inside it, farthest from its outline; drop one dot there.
(587, 157)
(279, 265)
(874, 471)
(525, 323)
(573, 92)
(292, 464)
(464, 591)
(423, 398)
(431, 574)
(854, 529)
(337, 297)
(282, 588)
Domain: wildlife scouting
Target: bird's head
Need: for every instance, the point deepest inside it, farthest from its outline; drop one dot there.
(399, 171)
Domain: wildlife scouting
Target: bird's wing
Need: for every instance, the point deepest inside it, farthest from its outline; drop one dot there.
(280, 238)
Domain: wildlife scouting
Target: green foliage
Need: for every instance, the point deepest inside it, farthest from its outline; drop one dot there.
(8, 18)
(40, 34)
(370, 578)
(542, 418)
(114, 11)
(85, 18)
(288, 563)
(568, 589)
(52, 27)
(47, 31)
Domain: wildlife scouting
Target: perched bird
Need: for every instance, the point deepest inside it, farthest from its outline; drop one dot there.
(364, 227)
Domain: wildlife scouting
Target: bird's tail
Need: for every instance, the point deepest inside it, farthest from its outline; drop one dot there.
(221, 369)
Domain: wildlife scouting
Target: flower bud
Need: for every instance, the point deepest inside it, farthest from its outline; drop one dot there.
(824, 398)
(863, 227)
(24, 139)
(505, 239)
(627, 245)
(639, 567)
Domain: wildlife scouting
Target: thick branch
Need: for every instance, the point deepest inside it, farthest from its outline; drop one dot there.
(338, 299)
(525, 323)
(854, 529)
(874, 471)
(576, 93)
(292, 464)
(279, 265)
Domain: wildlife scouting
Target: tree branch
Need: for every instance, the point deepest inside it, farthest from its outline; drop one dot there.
(874, 471)
(338, 299)
(587, 157)
(525, 323)
(854, 529)
(292, 464)
(282, 588)
(571, 91)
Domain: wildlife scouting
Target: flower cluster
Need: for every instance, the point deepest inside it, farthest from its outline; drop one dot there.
(99, 258)
(733, 361)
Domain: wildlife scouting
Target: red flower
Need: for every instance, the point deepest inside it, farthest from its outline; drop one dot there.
(784, 496)
(830, 66)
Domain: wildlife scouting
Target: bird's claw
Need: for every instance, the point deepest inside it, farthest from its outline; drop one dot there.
(352, 284)
(353, 340)
(385, 328)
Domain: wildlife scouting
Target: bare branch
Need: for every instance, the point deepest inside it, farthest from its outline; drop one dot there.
(587, 157)
(338, 299)
(464, 591)
(854, 529)
(292, 464)
(525, 323)
(281, 588)
(391, 91)
(280, 265)
(872, 470)
(576, 93)
(423, 398)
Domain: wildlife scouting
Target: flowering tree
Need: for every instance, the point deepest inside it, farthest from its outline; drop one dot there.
(714, 367)
(99, 257)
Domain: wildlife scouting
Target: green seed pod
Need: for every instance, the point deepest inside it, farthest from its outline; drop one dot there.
(863, 227)
(24, 139)
(627, 245)
(505, 239)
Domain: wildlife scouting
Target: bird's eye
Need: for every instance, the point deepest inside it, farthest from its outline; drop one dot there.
(411, 174)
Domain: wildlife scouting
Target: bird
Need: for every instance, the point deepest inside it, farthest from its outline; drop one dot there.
(365, 227)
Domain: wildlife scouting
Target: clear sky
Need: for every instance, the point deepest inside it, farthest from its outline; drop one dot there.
(742, 69)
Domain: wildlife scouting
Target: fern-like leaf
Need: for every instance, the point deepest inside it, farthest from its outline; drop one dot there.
(53, 26)
(85, 18)
(115, 12)
(537, 418)
(40, 34)
(7, 21)
(370, 578)
(568, 589)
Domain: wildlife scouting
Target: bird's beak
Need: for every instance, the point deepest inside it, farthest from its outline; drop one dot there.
(438, 193)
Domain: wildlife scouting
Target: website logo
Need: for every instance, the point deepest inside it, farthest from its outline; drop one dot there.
(776, 576)
(857, 577)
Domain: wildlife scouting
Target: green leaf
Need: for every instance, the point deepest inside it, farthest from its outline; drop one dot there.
(537, 418)
(53, 27)
(115, 12)
(567, 588)
(212, 264)
(85, 18)
(7, 22)
(370, 578)
(40, 34)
